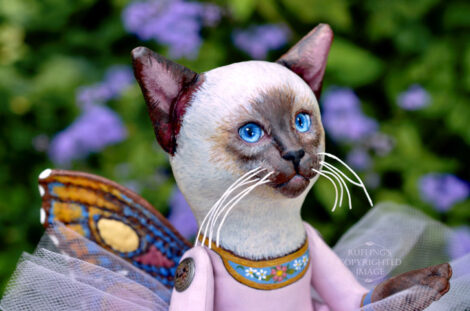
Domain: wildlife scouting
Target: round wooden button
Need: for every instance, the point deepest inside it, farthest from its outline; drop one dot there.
(184, 274)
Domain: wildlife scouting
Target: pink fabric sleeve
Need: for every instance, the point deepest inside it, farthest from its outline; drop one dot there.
(332, 280)
(199, 296)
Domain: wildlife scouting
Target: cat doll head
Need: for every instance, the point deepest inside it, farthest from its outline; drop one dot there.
(250, 131)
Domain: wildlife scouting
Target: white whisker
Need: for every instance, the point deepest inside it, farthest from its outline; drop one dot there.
(334, 185)
(337, 170)
(337, 178)
(352, 171)
(218, 211)
(221, 199)
(220, 208)
(239, 196)
(238, 183)
(345, 186)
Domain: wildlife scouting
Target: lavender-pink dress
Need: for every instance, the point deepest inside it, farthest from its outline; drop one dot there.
(390, 239)
(219, 287)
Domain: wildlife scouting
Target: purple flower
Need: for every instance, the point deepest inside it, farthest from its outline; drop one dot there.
(414, 98)
(343, 117)
(93, 94)
(211, 15)
(459, 243)
(442, 190)
(95, 129)
(257, 41)
(117, 79)
(341, 100)
(181, 215)
(359, 159)
(382, 144)
(176, 23)
(349, 127)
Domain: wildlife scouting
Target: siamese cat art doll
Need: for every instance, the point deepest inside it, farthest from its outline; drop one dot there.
(255, 126)
(246, 144)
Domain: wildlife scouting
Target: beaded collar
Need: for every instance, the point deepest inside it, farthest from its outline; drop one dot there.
(266, 274)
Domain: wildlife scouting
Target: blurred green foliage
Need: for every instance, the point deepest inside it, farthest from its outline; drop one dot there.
(49, 48)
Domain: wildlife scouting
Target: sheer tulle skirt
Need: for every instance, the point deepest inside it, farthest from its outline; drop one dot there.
(69, 272)
(392, 239)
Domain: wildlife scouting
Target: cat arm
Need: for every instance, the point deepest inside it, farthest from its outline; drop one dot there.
(416, 289)
(333, 281)
(340, 290)
(194, 284)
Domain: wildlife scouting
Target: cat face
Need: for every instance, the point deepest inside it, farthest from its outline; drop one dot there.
(278, 130)
(260, 115)
(223, 123)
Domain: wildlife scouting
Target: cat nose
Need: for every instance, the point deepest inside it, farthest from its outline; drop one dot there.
(294, 156)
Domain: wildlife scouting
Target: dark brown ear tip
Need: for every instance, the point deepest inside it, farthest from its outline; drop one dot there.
(140, 52)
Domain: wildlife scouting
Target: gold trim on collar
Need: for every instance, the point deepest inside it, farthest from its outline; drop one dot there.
(268, 264)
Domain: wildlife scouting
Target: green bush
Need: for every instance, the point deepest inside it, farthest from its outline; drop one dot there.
(49, 49)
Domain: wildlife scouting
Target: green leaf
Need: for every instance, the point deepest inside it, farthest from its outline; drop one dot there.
(456, 15)
(350, 65)
(242, 9)
(60, 73)
(390, 18)
(211, 55)
(457, 119)
(269, 10)
(334, 12)
(466, 68)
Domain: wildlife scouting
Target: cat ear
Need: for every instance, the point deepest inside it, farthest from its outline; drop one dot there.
(167, 88)
(308, 57)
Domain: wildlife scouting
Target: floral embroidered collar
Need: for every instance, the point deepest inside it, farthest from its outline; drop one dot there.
(266, 274)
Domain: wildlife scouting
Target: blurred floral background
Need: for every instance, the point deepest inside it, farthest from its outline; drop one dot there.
(395, 104)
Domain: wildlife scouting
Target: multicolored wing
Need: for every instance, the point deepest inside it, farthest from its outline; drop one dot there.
(115, 218)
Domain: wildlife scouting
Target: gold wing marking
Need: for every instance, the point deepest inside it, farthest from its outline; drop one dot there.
(83, 195)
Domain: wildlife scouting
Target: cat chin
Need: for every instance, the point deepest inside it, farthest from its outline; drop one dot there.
(294, 187)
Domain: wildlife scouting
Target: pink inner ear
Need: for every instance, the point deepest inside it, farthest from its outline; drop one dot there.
(166, 87)
(182, 103)
(309, 56)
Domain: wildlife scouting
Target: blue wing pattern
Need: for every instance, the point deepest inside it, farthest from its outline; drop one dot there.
(115, 218)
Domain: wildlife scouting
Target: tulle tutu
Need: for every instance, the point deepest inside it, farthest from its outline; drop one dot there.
(392, 239)
(69, 272)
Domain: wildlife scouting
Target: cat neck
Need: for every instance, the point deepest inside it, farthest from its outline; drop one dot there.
(259, 228)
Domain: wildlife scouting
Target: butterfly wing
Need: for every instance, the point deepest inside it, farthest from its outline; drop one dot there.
(115, 218)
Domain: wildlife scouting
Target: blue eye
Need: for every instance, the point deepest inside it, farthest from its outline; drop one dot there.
(302, 122)
(250, 132)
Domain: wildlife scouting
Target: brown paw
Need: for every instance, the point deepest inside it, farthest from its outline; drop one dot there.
(435, 277)
(438, 278)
